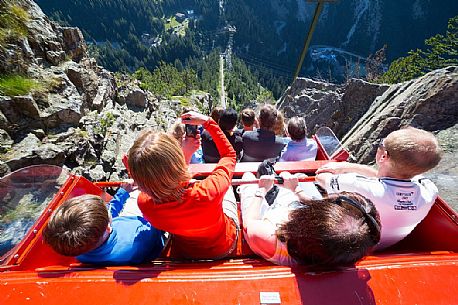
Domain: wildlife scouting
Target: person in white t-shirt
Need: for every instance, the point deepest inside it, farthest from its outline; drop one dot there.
(300, 227)
(402, 197)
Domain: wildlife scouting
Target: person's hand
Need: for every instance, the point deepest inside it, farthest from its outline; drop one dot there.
(290, 182)
(266, 182)
(334, 168)
(128, 185)
(194, 118)
(189, 145)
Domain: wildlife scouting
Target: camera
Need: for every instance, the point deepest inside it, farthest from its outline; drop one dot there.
(191, 130)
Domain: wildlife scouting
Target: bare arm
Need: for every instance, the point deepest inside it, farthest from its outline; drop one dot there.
(258, 233)
(291, 182)
(322, 178)
(346, 167)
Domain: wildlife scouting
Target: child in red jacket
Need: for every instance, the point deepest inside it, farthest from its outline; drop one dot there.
(201, 216)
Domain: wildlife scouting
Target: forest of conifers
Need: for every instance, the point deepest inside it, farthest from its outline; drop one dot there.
(127, 35)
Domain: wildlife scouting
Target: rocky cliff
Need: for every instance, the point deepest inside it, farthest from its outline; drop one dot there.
(79, 115)
(360, 113)
(429, 102)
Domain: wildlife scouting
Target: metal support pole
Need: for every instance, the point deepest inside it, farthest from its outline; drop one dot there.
(318, 9)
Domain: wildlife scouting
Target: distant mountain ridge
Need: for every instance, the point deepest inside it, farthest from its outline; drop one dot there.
(269, 33)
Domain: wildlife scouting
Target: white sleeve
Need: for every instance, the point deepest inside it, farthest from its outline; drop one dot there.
(350, 182)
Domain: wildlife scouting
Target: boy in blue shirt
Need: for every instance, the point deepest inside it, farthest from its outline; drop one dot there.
(86, 228)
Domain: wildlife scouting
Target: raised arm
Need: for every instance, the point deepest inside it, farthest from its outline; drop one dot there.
(346, 167)
(116, 204)
(220, 179)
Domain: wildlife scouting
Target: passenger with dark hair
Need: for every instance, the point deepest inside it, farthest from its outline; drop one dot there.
(87, 228)
(262, 143)
(227, 122)
(216, 113)
(401, 195)
(299, 148)
(248, 120)
(324, 233)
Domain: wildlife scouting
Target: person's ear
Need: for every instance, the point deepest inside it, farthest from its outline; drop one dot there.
(383, 156)
(125, 161)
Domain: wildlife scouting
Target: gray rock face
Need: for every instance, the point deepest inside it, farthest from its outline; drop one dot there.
(324, 104)
(136, 97)
(46, 42)
(74, 43)
(445, 175)
(429, 102)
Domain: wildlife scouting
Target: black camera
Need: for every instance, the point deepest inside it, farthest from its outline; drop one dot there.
(191, 130)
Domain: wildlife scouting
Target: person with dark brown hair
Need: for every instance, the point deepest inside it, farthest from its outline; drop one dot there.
(86, 228)
(248, 120)
(323, 233)
(262, 143)
(216, 113)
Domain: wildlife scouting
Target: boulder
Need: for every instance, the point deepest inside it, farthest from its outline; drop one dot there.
(74, 44)
(5, 141)
(97, 173)
(22, 154)
(325, 104)
(137, 97)
(19, 115)
(429, 102)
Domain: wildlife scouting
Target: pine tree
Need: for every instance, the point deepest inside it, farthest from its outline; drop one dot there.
(441, 51)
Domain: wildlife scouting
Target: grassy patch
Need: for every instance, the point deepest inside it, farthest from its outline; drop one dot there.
(12, 23)
(184, 101)
(14, 85)
(172, 24)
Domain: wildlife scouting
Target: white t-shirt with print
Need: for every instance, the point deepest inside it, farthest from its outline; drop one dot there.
(402, 204)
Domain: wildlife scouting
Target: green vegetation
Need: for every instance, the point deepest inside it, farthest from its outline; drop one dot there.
(12, 23)
(13, 85)
(106, 121)
(169, 80)
(126, 35)
(166, 80)
(441, 51)
(172, 24)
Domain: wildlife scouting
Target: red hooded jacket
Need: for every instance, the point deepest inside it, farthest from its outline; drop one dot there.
(200, 228)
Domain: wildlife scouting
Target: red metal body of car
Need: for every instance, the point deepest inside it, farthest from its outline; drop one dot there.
(421, 269)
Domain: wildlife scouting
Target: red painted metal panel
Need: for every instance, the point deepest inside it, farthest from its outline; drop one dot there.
(240, 168)
(413, 280)
(32, 252)
(438, 231)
